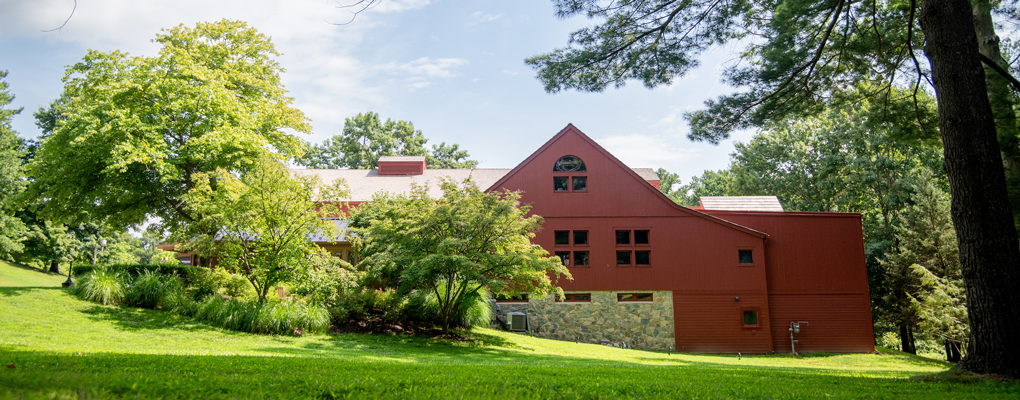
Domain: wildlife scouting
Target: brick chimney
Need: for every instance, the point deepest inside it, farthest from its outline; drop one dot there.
(401, 165)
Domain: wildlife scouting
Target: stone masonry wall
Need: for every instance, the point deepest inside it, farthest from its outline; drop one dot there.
(641, 325)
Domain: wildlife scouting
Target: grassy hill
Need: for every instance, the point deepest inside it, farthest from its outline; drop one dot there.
(61, 347)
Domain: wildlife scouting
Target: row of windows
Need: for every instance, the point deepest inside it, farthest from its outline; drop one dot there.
(623, 237)
(580, 298)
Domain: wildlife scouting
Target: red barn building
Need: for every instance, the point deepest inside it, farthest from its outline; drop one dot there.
(730, 276)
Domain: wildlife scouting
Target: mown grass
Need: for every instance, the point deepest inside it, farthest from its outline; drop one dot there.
(63, 347)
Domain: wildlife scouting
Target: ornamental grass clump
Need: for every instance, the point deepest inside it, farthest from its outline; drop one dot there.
(270, 317)
(101, 286)
(152, 290)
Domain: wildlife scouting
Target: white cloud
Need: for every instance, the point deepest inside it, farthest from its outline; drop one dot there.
(509, 72)
(479, 17)
(647, 151)
(439, 68)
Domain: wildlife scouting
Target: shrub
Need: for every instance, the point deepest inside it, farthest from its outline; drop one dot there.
(365, 302)
(233, 285)
(271, 317)
(101, 286)
(327, 283)
(152, 290)
(423, 307)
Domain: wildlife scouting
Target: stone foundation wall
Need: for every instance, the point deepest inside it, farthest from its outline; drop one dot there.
(641, 325)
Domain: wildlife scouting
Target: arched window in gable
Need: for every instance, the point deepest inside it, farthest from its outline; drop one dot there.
(571, 175)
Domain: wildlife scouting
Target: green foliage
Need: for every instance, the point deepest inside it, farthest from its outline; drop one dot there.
(797, 54)
(101, 286)
(454, 246)
(261, 224)
(710, 183)
(365, 138)
(275, 317)
(48, 242)
(152, 290)
(327, 281)
(12, 175)
(924, 269)
(135, 131)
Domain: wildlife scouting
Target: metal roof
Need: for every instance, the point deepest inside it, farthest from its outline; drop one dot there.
(741, 203)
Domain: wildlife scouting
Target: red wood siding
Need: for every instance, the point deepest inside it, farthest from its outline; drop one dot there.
(713, 323)
(836, 323)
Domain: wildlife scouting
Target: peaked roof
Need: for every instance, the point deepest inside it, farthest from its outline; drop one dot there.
(570, 129)
(741, 203)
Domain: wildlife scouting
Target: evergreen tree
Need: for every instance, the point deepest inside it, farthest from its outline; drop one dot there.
(12, 181)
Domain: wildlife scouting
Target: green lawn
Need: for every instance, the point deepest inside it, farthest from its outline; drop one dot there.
(62, 347)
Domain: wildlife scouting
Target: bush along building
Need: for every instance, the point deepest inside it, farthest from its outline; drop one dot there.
(736, 274)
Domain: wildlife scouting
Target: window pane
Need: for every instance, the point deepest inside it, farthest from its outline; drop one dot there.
(562, 237)
(643, 297)
(564, 256)
(623, 258)
(745, 257)
(569, 163)
(580, 258)
(622, 237)
(625, 297)
(750, 318)
(640, 237)
(580, 237)
(582, 297)
(560, 183)
(580, 183)
(642, 257)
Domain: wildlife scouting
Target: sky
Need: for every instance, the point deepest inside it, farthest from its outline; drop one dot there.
(454, 69)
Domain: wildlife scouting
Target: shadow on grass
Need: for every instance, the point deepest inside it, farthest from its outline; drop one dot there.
(10, 291)
(138, 319)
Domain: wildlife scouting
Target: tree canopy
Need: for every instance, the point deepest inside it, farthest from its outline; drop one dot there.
(12, 180)
(134, 132)
(365, 138)
(261, 224)
(455, 246)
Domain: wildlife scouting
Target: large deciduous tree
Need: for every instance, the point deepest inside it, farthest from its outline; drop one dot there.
(135, 132)
(365, 138)
(261, 224)
(797, 52)
(12, 180)
(455, 246)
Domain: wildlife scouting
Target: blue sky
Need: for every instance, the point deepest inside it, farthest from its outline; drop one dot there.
(454, 69)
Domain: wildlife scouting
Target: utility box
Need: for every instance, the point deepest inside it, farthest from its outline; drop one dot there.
(517, 321)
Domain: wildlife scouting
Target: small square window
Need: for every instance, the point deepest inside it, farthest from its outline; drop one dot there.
(642, 296)
(564, 257)
(643, 257)
(750, 318)
(580, 183)
(622, 258)
(581, 258)
(640, 237)
(560, 183)
(622, 237)
(580, 237)
(562, 237)
(746, 257)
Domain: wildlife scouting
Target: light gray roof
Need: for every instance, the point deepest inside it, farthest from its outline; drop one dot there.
(647, 174)
(364, 183)
(741, 203)
(341, 226)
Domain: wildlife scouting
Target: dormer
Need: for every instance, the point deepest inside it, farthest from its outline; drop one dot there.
(401, 165)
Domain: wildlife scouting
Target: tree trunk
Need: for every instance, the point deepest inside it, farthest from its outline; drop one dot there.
(1002, 100)
(952, 351)
(989, 254)
(54, 267)
(907, 339)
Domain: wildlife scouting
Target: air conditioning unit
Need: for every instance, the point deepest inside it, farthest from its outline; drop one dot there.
(517, 321)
